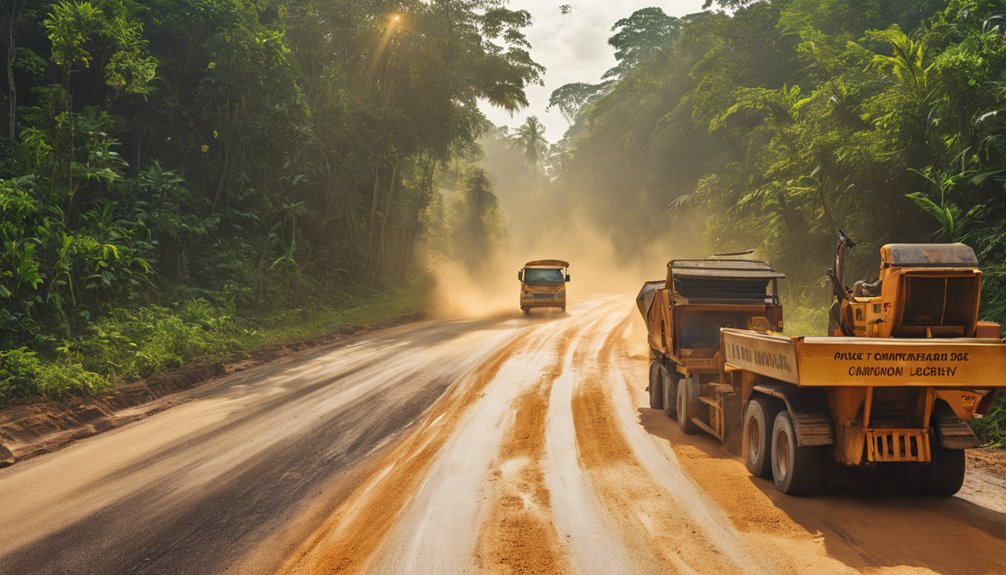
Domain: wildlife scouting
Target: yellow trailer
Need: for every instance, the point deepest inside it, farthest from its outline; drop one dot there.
(858, 401)
(907, 365)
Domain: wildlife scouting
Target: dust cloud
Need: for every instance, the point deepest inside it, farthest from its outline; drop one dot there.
(545, 227)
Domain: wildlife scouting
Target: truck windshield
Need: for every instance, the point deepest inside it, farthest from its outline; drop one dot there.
(543, 276)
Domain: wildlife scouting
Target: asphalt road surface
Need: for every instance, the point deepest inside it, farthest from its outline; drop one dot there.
(506, 445)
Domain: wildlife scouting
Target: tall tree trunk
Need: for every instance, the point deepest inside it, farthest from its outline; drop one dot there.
(384, 217)
(373, 221)
(412, 234)
(13, 21)
(11, 87)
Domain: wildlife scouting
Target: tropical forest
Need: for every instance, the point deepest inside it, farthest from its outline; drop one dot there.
(187, 178)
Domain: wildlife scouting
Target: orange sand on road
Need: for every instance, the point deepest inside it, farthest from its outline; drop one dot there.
(359, 526)
(653, 526)
(518, 535)
(673, 503)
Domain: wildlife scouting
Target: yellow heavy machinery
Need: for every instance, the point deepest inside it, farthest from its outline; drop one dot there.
(684, 313)
(907, 364)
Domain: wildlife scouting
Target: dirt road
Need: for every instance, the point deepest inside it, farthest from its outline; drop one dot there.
(235, 478)
(543, 461)
(510, 445)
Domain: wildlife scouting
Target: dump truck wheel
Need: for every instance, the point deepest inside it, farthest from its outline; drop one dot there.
(756, 439)
(948, 468)
(945, 475)
(688, 404)
(669, 381)
(656, 387)
(795, 470)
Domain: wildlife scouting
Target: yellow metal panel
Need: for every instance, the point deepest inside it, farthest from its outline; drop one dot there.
(842, 361)
(769, 355)
(964, 403)
(893, 445)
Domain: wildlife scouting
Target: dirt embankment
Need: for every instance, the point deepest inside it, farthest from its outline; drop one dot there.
(34, 429)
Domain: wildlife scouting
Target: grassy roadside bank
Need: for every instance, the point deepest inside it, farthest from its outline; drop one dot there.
(131, 344)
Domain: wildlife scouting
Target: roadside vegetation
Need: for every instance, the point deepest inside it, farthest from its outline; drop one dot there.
(180, 179)
(769, 124)
(130, 344)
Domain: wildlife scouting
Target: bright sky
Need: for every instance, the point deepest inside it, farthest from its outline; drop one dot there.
(573, 48)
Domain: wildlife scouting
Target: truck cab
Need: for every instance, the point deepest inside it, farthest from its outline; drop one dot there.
(543, 284)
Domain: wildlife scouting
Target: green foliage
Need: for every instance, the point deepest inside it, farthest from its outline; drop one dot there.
(259, 156)
(57, 380)
(774, 124)
(530, 139)
(479, 221)
(23, 376)
(992, 428)
(69, 27)
(805, 315)
(635, 37)
(19, 371)
(128, 344)
(571, 98)
(131, 344)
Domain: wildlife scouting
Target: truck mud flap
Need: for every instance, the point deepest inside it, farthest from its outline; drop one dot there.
(952, 431)
(809, 409)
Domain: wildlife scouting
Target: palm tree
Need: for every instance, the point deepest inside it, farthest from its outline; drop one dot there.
(530, 139)
(480, 220)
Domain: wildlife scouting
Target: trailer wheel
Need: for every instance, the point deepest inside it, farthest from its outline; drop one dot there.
(656, 387)
(688, 404)
(526, 310)
(944, 476)
(756, 438)
(795, 470)
(670, 381)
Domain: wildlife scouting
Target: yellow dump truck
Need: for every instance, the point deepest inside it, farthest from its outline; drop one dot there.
(912, 365)
(543, 284)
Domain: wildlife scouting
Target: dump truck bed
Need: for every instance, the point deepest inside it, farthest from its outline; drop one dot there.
(869, 362)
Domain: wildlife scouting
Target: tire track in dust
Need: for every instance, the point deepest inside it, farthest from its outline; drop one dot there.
(782, 534)
(361, 523)
(715, 490)
(518, 534)
(659, 533)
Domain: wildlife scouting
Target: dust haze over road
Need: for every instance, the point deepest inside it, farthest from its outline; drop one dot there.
(502, 445)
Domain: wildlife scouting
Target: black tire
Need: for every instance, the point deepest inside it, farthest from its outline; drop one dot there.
(944, 476)
(526, 310)
(656, 387)
(669, 381)
(563, 309)
(795, 470)
(756, 435)
(688, 404)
